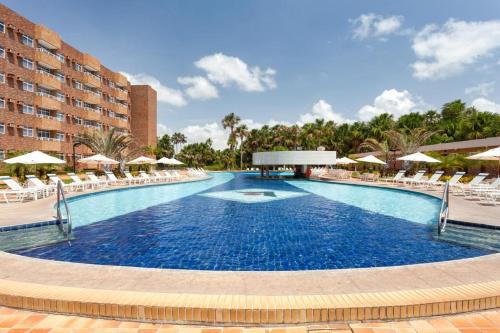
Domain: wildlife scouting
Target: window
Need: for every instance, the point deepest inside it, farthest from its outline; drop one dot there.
(60, 57)
(77, 67)
(2, 155)
(28, 41)
(2, 103)
(78, 85)
(78, 120)
(42, 134)
(27, 63)
(43, 112)
(59, 136)
(2, 27)
(28, 86)
(2, 77)
(60, 97)
(78, 103)
(28, 109)
(59, 76)
(28, 132)
(60, 116)
(2, 128)
(2, 52)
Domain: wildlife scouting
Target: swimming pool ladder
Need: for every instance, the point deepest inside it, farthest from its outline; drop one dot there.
(445, 208)
(60, 195)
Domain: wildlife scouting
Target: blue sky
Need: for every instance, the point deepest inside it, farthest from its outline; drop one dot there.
(288, 61)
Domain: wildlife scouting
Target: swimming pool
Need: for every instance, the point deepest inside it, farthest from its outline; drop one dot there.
(235, 221)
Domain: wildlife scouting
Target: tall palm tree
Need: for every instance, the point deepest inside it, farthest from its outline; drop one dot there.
(242, 133)
(178, 139)
(230, 121)
(372, 144)
(409, 142)
(111, 144)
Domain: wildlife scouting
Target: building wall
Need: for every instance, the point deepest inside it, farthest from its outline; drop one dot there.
(72, 91)
(143, 122)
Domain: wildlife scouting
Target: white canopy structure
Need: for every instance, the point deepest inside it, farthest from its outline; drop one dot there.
(163, 160)
(142, 160)
(370, 159)
(35, 157)
(489, 155)
(99, 159)
(345, 160)
(306, 157)
(173, 161)
(418, 157)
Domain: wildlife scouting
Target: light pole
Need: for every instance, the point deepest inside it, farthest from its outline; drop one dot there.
(76, 144)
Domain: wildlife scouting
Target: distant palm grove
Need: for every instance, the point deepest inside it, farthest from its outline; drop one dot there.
(454, 122)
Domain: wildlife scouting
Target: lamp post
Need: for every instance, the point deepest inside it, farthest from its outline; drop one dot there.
(76, 144)
(394, 158)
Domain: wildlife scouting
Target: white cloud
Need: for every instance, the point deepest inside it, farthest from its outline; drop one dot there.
(482, 89)
(322, 110)
(199, 87)
(483, 104)
(201, 133)
(228, 70)
(252, 124)
(162, 129)
(164, 94)
(445, 51)
(373, 25)
(392, 102)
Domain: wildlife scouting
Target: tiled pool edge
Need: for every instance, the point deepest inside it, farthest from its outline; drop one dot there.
(247, 309)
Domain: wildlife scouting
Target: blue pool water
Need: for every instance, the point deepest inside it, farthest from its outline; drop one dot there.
(238, 222)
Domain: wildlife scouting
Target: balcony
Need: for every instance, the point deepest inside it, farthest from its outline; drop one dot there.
(91, 63)
(92, 115)
(122, 123)
(121, 95)
(47, 59)
(91, 97)
(120, 79)
(47, 37)
(50, 145)
(91, 80)
(47, 80)
(120, 108)
(46, 101)
(49, 123)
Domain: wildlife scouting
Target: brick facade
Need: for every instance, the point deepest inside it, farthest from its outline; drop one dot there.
(52, 92)
(143, 124)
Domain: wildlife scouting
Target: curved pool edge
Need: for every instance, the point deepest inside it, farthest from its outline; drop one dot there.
(242, 298)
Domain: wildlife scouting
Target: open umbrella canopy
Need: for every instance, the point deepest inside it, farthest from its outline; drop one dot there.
(489, 155)
(370, 159)
(99, 159)
(345, 160)
(418, 157)
(173, 161)
(35, 157)
(163, 160)
(142, 160)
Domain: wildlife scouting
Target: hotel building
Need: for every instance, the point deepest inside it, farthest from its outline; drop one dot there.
(51, 92)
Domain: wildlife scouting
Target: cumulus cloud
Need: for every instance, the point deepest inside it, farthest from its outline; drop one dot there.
(227, 70)
(373, 25)
(252, 124)
(482, 89)
(201, 133)
(483, 104)
(198, 87)
(164, 94)
(322, 110)
(447, 50)
(392, 102)
(162, 129)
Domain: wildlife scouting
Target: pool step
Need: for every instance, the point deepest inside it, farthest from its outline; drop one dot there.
(473, 236)
(32, 236)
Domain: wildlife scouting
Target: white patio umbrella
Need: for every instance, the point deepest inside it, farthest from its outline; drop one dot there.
(489, 155)
(418, 157)
(173, 161)
(142, 160)
(163, 160)
(35, 157)
(345, 160)
(370, 159)
(98, 159)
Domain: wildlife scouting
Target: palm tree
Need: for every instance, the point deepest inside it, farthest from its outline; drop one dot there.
(242, 133)
(178, 139)
(374, 145)
(230, 121)
(408, 143)
(111, 144)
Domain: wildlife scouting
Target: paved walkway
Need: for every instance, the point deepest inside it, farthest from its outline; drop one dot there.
(18, 321)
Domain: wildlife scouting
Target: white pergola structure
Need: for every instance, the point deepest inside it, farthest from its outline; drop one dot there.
(302, 158)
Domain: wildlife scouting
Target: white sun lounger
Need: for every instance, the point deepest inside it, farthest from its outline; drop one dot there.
(93, 178)
(133, 180)
(463, 188)
(86, 183)
(71, 186)
(147, 178)
(45, 190)
(413, 180)
(483, 189)
(453, 180)
(433, 180)
(17, 191)
(396, 178)
(112, 180)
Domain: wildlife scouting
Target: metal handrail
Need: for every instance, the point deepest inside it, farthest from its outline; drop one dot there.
(60, 194)
(445, 208)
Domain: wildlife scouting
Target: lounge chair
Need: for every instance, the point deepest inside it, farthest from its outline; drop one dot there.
(491, 197)
(87, 184)
(147, 178)
(133, 180)
(396, 178)
(112, 180)
(453, 180)
(433, 180)
(413, 180)
(93, 178)
(463, 188)
(71, 186)
(175, 174)
(483, 189)
(17, 191)
(45, 190)
(160, 177)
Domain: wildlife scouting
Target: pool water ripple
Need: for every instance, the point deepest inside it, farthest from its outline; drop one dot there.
(301, 232)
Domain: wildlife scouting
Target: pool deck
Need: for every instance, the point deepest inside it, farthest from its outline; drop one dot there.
(249, 298)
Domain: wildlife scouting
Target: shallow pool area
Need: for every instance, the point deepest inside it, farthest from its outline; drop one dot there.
(235, 221)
